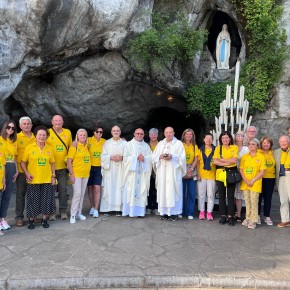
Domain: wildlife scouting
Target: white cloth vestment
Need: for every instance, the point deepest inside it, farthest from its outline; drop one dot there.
(169, 176)
(112, 176)
(136, 178)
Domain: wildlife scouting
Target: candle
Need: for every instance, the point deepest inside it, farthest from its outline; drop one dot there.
(249, 122)
(237, 74)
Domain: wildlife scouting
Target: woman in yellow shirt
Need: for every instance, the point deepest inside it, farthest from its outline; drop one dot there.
(189, 180)
(268, 180)
(8, 146)
(206, 178)
(38, 166)
(225, 157)
(252, 168)
(95, 180)
(79, 166)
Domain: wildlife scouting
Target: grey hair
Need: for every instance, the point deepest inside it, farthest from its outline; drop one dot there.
(25, 118)
(253, 128)
(153, 131)
(255, 140)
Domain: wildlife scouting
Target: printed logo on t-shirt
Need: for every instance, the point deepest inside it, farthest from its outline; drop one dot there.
(187, 157)
(21, 142)
(59, 148)
(269, 163)
(41, 161)
(86, 159)
(249, 170)
(97, 154)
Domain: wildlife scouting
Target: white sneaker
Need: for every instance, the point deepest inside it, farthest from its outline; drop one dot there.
(268, 221)
(259, 220)
(190, 217)
(5, 225)
(180, 216)
(81, 217)
(155, 211)
(72, 220)
(91, 211)
(95, 213)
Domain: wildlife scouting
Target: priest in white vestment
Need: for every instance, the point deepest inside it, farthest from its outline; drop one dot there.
(137, 166)
(112, 167)
(169, 164)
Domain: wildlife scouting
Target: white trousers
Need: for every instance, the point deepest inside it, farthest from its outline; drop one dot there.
(79, 188)
(284, 193)
(206, 187)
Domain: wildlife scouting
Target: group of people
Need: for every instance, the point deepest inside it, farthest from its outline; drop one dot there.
(135, 178)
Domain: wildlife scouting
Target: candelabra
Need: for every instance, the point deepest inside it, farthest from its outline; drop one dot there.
(233, 111)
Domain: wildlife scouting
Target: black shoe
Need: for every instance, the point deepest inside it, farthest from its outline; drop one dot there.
(45, 224)
(164, 217)
(231, 221)
(31, 225)
(237, 219)
(223, 220)
(172, 218)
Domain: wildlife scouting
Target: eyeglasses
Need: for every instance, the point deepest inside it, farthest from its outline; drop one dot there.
(252, 144)
(139, 133)
(251, 131)
(99, 132)
(239, 135)
(10, 128)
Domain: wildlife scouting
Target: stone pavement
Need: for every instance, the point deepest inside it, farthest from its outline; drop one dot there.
(118, 252)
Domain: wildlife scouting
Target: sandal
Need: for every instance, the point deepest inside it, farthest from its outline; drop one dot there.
(44, 223)
(31, 225)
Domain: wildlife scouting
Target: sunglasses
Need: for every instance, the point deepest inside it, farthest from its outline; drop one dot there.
(99, 132)
(10, 128)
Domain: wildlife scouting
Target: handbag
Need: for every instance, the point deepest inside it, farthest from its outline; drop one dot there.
(233, 175)
(192, 171)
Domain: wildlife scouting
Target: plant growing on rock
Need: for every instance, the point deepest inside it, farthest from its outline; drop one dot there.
(165, 44)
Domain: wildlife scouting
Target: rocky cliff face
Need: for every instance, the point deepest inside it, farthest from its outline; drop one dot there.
(66, 57)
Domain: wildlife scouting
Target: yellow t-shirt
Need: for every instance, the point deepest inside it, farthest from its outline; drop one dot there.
(2, 168)
(190, 153)
(95, 149)
(206, 174)
(152, 147)
(227, 153)
(9, 148)
(285, 158)
(251, 166)
(81, 160)
(22, 142)
(270, 164)
(59, 149)
(39, 162)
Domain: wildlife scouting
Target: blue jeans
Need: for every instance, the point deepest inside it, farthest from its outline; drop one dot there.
(189, 191)
(10, 170)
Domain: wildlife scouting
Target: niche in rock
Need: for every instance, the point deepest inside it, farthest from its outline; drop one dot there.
(161, 118)
(215, 23)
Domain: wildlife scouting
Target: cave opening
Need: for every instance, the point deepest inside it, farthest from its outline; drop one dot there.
(215, 23)
(161, 118)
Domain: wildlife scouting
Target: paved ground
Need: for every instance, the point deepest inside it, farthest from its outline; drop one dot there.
(117, 252)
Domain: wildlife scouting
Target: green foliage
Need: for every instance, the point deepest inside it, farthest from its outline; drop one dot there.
(266, 50)
(205, 98)
(165, 43)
